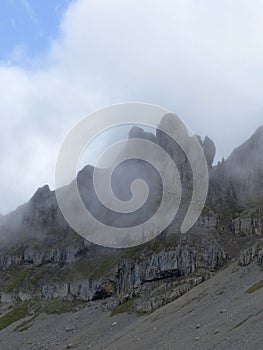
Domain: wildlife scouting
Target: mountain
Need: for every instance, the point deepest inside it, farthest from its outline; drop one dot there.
(43, 260)
(238, 180)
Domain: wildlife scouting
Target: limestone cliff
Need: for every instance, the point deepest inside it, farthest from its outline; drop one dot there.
(40, 255)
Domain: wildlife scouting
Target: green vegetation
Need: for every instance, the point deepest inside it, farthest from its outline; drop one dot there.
(255, 287)
(208, 211)
(91, 269)
(16, 278)
(59, 306)
(227, 214)
(253, 213)
(125, 307)
(38, 272)
(98, 267)
(27, 278)
(16, 314)
(37, 307)
(25, 325)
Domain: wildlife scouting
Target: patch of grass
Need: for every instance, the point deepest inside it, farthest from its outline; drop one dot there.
(16, 278)
(40, 272)
(207, 211)
(95, 269)
(102, 266)
(252, 213)
(25, 325)
(227, 214)
(37, 307)
(125, 307)
(16, 314)
(245, 320)
(92, 269)
(59, 306)
(255, 287)
(27, 278)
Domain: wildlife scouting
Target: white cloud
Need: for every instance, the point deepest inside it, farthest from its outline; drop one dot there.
(202, 60)
(30, 11)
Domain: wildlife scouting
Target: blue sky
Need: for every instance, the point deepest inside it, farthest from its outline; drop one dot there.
(27, 26)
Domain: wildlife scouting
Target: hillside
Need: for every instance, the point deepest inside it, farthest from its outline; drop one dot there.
(225, 312)
(43, 261)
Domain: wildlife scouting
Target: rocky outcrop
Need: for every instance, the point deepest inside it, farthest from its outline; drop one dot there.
(41, 256)
(29, 254)
(158, 294)
(55, 255)
(238, 180)
(248, 226)
(251, 254)
(125, 278)
(209, 150)
(8, 260)
(249, 223)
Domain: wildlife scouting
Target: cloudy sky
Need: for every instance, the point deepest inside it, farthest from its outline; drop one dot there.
(60, 60)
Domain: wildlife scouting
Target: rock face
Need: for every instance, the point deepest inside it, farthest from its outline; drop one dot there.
(238, 180)
(122, 279)
(209, 150)
(159, 293)
(244, 169)
(41, 256)
(249, 223)
(254, 253)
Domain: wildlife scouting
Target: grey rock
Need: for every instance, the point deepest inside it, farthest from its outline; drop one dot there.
(209, 149)
(37, 235)
(249, 223)
(251, 254)
(70, 328)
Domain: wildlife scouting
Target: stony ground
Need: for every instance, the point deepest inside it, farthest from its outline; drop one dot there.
(218, 314)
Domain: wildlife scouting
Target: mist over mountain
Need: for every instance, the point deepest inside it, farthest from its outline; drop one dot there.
(238, 179)
(42, 258)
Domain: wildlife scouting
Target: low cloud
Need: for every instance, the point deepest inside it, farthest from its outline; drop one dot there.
(201, 60)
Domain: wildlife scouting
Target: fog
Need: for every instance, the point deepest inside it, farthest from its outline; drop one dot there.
(201, 60)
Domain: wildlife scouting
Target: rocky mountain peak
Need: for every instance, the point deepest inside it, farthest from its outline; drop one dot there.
(239, 179)
(209, 149)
